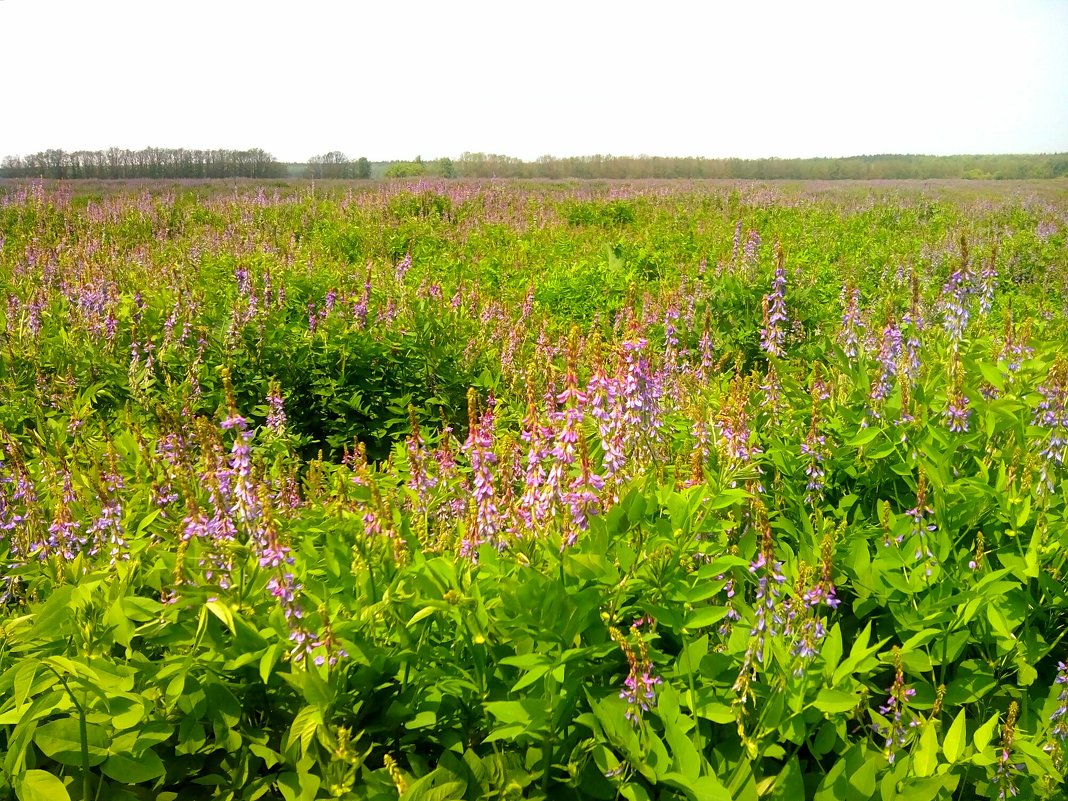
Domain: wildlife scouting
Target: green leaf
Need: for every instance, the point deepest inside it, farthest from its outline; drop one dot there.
(269, 660)
(831, 700)
(24, 676)
(531, 676)
(832, 650)
(53, 619)
(447, 791)
(39, 785)
(861, 784)
(992, 374)
(422, 614)
(126, 711)
(954, 744)
(685, 758)
(222, 704)
(305, 724)
(925, 759)
(224, 613)
(983, 735)
(61, 740)
(865, 436)
(134, 770)
(700, 788)
(789, 784)
(1032, 556)
(706, 616)
(298, 786)
(999, 622)
(858, 654)
(1024, 512)
(689, 660)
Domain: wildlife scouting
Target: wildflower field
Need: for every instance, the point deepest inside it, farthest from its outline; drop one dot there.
(489, 490)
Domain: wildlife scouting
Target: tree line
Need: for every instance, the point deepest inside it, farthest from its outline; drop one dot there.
(336, 164)
(876, 167)
(149, 162)
(180, 163)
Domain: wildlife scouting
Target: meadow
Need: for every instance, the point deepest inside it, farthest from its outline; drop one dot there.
(718, 491)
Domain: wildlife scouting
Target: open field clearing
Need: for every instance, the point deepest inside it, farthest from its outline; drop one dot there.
(464, 490)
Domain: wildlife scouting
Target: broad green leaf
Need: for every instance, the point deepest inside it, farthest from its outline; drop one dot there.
(224, 613)
(138, 769)
(789, 785)
(305, 724)
(39, 785)
(61, 740)
(858, 654)
(422, 614)
(685, 758)
(925, 757)
(298, 786)
(983, 735)
(831, 700)
(706, 616)
(861, 782)
(269, 660)
(24, 676)
(53, 619)
(222, 704)
(699, 788)
(953, 746)
(831, 652)
(928, 789)
(999, 622)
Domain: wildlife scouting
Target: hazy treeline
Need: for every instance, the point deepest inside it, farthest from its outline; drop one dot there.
(336, 164)
(481, 165)
(256, 163)
(150, 162)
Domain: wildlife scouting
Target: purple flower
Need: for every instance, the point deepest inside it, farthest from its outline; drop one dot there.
(479, 449)
(1059, 718)
(922, 528)
(896, 712)
(276, 413)
(957, 413)
(956, 294)
(772, 334)
(889, 354)
(639, 687)
(752, 244)
(1051, 417)
(402, 267)
(851, 333)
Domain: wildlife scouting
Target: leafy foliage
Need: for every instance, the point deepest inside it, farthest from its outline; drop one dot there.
(464, 491)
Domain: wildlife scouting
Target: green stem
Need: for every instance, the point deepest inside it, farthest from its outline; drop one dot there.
(83, 732)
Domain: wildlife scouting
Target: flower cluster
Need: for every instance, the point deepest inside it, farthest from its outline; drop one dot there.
(851, 333)
(773, 334)
(1007, 768)
(899, 718)
(639, 687)
(1051, 416)
(479, 449)
(1059, 718)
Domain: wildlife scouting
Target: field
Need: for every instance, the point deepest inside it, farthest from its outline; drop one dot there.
(492, 490)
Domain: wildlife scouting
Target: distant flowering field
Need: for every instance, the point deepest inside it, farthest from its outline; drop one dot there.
(465, 490)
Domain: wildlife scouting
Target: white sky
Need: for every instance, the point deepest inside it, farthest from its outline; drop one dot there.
(398, 78)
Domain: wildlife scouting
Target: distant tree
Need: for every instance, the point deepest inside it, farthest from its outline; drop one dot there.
(363, 168)
(334, 164)
(405, 169)
(448, 169)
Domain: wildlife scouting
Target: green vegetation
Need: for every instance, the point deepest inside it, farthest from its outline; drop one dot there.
(449, 489)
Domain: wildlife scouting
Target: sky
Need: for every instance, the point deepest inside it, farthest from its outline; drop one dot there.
(393, 79)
